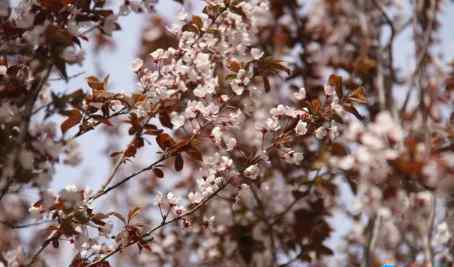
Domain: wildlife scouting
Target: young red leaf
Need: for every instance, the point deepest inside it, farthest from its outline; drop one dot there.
(194, 153)
(95, 84)
(73, 119)
(358, 96)
(336, 81)
(164, 141)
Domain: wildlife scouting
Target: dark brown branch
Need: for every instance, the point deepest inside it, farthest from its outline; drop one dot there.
(126, 179)
(22, 226)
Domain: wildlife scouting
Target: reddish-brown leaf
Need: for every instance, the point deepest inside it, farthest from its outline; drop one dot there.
(133, 146)
(164, 118)
(158, 172)
(179, 162)
(267, 84)
(336, 81)
(358, 96)
(152, 129)
(194, 153)
(197, 21)
(234, 65)
(74, 117)
(95, 84)
(165, 141)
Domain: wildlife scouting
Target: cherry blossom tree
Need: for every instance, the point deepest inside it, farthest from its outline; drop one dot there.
(277, 133)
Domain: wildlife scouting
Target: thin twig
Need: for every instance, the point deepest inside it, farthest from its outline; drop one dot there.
(21, 226)
(41, 249)
(421, 57)
(268, 224)
(429, 249)
(69, 77)
(126, 179)
(372, 231)
(162, 224)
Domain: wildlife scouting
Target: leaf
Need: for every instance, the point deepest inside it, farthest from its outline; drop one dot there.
(55, 243)
(165, 120)
(158, 172)
(197, 21)
(268, 66)
(179, 162)
(315, 106)
(165, 141)
(267, 84)
(336, 81)
(53, 5)
(358, 96)
(73, 119)
(234, 65)
(151, 129)
(100, 216)
(338, 149)
(133, 213)
(133, 146)
(95, 84)
(60, 64)
(194, 153)
(190, 27)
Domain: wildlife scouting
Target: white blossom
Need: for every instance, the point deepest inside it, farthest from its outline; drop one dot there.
(256, 53)
(252, 171)
(321, 132)
(301, 94)
(301, 128)
(176, 119)
(137, 65)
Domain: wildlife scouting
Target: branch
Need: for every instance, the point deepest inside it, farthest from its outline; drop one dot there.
(122, 158)
(126, 179)
(421, 57)
(162, 224)
(21, 226)
(41, 249)
(429, 249)
(372, 230)
(267, 222)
